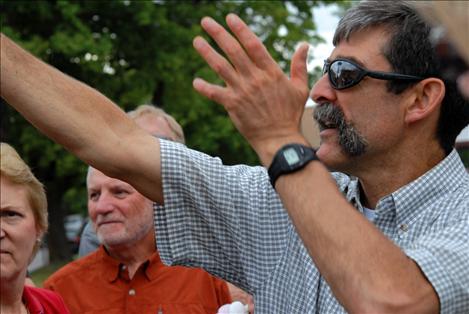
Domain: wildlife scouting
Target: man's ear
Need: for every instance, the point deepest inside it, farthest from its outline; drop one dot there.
(426, 97)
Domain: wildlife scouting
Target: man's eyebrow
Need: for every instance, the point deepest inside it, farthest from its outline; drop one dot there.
(121, 185)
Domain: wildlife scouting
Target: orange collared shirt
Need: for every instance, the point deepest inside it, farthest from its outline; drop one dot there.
(97, 283)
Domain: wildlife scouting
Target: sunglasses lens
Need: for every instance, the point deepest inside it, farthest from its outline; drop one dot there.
(343, 74)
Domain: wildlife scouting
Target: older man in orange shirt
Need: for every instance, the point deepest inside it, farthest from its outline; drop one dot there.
(126, 275)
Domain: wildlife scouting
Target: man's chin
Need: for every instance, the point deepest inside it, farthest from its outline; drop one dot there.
(327, 152)
(110, 228)
(332, 156)
(112, 239)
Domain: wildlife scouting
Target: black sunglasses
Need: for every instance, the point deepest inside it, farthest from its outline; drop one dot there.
(344, 73)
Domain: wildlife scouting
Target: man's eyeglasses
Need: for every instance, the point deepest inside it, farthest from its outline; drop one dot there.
(344, 73)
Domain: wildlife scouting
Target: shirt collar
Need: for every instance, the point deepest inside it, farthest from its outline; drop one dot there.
(31, 302)
(443, 179)
(352, 192)
(112, 267)
(152, 267)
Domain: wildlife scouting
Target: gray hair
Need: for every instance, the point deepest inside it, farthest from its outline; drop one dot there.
(158, 112)
(408, 37)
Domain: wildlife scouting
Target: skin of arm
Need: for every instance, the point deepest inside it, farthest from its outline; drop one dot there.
(266, 106)
(81, 119)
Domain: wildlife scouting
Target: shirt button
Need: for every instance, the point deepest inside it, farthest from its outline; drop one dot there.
(132, 292)
(404, 227)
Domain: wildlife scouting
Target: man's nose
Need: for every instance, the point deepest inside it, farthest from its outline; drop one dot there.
(104, 204)
(322, 91)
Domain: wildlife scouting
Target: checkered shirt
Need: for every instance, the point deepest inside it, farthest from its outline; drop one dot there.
(229, 220)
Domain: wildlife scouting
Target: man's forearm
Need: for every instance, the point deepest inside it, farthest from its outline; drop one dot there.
(80, 118)
(366, 271)
(51, 100)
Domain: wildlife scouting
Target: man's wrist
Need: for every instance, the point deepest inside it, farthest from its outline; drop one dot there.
(290, 158)
(267, 148)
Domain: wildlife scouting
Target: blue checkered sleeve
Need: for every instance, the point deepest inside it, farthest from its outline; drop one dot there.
(443, 256)
(203, 218)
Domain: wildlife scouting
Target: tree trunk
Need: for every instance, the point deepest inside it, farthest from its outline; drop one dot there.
(59, 248)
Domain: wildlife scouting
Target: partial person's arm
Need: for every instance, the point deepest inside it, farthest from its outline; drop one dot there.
(242, 296)
(89, 241)
(366, 276)
(81, 119)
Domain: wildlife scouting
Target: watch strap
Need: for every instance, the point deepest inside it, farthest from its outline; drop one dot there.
(290, 158)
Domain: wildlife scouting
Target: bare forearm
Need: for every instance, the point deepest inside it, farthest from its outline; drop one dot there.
(52, 101)
(365, 270)
(78, 117)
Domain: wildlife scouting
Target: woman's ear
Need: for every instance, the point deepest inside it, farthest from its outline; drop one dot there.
(426, 97)
(39, 234)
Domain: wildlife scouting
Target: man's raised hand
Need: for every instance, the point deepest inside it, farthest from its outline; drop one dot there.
(263, 103)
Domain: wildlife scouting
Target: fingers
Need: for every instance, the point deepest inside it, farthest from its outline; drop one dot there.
(251, 43)
(298, 69)
(211, 91)
(228, 44)
(217, 62)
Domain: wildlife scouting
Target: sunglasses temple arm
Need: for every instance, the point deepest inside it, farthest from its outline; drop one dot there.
(392, 76)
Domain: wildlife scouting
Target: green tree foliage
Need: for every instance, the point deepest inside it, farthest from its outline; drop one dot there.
(137, 52)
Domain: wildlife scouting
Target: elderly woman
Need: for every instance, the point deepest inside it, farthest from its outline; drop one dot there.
(23, 222)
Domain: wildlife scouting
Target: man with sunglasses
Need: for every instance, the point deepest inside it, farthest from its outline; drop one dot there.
(387, 232)
(395, 236)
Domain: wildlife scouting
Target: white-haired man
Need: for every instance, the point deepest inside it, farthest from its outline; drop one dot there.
(125, 274)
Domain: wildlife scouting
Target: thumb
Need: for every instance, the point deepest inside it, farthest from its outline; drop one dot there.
(298, 65)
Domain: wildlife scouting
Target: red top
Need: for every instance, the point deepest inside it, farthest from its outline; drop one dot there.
(98, 283)
(42, 301)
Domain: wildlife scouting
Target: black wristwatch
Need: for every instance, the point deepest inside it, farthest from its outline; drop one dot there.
(290, 158)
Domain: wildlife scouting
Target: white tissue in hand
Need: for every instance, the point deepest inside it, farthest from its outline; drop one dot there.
(238, 308)
(233, 308)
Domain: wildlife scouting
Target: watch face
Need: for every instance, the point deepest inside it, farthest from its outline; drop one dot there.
(291, 156)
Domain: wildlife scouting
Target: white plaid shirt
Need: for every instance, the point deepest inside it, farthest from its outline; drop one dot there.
(229, 220)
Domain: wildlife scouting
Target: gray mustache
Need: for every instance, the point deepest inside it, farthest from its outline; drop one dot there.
(328, 115)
